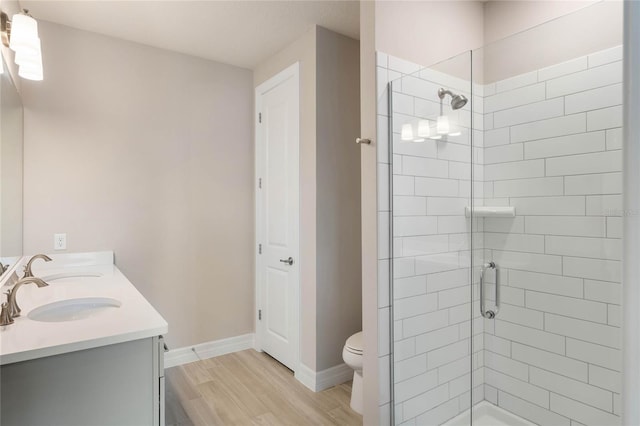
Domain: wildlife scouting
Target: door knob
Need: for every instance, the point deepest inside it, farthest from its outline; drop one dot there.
(288, 261)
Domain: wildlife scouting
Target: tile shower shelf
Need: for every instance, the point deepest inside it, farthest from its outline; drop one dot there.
(488, 211)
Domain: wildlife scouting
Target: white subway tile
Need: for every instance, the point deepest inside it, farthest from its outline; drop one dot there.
(383, 188)
(514, 170)
(436, 263)
(585, 80)
(414, 225)
(460, 314)
(563, 68)
(599, 248)
(517, 81)
(496, 344)
(549, 361)
(402, 104)
(614, 138)
(565, 145)
(580, 391)
(522, 316)
(597, 269)
(400, 65)
(595, 354)
(487, 122)
(382, 59)
(530, 336)
(531, 411)
(567, 306)
(604, 205)
(583, 413)
(602, 97)
(404, 267)
(528, 261)
(453, 297)
(403, 185)
(506, 366)
(565, 225)
(555, 284)
(512, 296)
(416, 305)
(548, 206)
(614, 315)
(444, 355)
(426, 108)
(416, 385)
(424, 323)
(428, 244)
(607, 118)
(453, 224)
(427, 149)
(513, 98)
(409, 206)
(384, 328)
(529, 187)
(599, 162)
(602, 183)
(418, 166)
(397, 164)
(446, 206)
(496, 137)
(517, 387)
(383, 139)
(584, 330)
(383, 282)
(503, 153)
(605, 56)
(530, 112)
(514, 242)
(605, 378)
(410, 286)
(454, 370)
(410, 368)
(504, 224)
(440, 414)
(454, 152)
(437, 339)
(384, 250)
(603, 291)
(614, 227)
(447, 280)
(403, 349)
(550, 128)
(436, 187)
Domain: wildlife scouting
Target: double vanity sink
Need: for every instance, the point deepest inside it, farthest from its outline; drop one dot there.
(88, 335)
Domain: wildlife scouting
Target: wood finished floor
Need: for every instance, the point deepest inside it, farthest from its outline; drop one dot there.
(250, 388)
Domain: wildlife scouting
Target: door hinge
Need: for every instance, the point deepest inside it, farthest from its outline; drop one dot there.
(259, 314)
(259, 248)
(260, 183)
(259, 117)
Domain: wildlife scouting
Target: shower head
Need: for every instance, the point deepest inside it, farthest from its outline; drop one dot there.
(457, 101)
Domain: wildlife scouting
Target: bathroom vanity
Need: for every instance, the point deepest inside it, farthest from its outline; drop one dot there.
(86, 350)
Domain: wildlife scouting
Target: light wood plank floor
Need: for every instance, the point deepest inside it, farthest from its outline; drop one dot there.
(250, 388)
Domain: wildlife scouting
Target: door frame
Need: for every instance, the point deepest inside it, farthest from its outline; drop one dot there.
(292, 71)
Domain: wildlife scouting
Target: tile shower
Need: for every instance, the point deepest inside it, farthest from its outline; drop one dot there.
(548, 143)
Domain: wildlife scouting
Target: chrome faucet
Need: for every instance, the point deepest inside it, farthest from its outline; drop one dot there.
(27, 269)
(12, 308)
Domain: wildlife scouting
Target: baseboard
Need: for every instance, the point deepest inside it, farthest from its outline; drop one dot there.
(321, 380)
(206, 350)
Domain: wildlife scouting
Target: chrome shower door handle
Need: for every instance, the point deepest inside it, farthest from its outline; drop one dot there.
(288, 261)
(489, 313)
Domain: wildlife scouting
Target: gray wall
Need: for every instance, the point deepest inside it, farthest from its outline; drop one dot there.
(149, 153)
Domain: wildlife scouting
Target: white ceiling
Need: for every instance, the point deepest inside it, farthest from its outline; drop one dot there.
(241, 33)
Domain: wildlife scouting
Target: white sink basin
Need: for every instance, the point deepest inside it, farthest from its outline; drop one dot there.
(73, 309)
(54, 277)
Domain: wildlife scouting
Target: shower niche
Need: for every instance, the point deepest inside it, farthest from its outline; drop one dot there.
(505, 237)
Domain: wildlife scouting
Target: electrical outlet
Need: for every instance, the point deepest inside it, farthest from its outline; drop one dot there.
(59, 241)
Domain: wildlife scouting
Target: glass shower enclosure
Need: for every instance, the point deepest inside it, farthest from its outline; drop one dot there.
(505, 235)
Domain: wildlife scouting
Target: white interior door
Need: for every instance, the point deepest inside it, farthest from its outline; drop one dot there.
(277, 216)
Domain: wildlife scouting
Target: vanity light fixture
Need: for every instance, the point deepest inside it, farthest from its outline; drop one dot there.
(407, 132)
(20, 34)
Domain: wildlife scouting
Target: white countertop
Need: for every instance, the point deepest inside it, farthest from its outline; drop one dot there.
(27, 339)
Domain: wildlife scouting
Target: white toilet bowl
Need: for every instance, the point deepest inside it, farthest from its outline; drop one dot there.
(352, 355)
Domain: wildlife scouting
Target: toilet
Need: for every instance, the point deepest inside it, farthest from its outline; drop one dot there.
(352, 355)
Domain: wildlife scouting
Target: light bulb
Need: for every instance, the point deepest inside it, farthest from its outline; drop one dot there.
(24, 33)
(423, 129)
(407, 132)
(442, 126)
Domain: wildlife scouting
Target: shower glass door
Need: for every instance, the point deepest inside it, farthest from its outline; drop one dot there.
(435, 344)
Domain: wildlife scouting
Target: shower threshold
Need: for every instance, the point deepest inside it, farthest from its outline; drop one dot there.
(487, 414)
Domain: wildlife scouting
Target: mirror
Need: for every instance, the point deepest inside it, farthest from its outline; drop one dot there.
(11, 153)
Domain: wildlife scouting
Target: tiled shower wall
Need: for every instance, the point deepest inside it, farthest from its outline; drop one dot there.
(552, 149)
